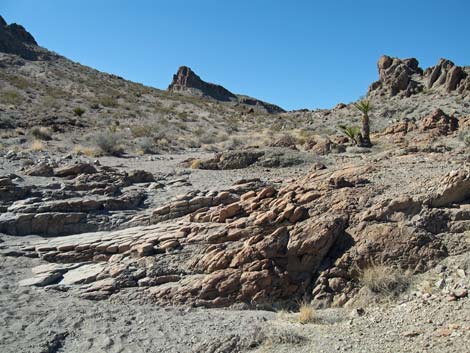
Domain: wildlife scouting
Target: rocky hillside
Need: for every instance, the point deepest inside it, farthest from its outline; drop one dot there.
(79, 106)
(119, 226)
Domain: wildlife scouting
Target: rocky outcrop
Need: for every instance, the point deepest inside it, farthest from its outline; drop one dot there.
(276, 158)
(439, 123)
(187, 82)
(258, 244)
(448, 77)
(404, 77)
(397, 76)
(86, 199)
(14, 39)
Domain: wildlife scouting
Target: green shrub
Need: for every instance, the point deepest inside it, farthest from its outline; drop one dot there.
(79, 111)
(351, 132)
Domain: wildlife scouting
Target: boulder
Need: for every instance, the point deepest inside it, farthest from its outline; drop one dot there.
(71, 171)
(439, 123)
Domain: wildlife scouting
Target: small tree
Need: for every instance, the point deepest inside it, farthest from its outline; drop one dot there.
(364, 106)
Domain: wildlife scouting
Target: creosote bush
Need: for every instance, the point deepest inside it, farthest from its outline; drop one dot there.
(147, 145)
(109, 143)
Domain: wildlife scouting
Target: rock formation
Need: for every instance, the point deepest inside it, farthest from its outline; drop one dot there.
(187, 82)
(404, 77)
(14, 39)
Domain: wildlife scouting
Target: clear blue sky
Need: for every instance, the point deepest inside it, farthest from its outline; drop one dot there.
(298, 54)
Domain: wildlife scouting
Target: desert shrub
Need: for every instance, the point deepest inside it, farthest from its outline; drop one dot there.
(10, 97)
(85, 151)
(37, 146)
(6, 122)
(141, 130)
(272, 336)
(79, 111)
(19, 82)
(41, 133)
(351, 132)
(285, 140)
(109, 102)
(196, 163)
(384, 280)
(306, 312)
(147, 145)
(109, 143)
(94, 106)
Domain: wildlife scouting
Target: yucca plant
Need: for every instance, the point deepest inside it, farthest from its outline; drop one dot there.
(351, 132)
(365, 106)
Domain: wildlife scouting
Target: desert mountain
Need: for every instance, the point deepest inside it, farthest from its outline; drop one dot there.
(187, 82)
(126, 211)
(14, 39)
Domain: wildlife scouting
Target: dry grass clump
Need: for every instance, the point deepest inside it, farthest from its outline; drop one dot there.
(306, 313)
(41, 133)
(271, 337)
(195, 164)
(37, 146)
(85, 151)
(385, 280)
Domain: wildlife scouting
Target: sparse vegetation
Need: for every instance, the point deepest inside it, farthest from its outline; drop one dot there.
(78, 111)
(147, 145)
(109, 143)
(6, 122)
(351, 132)
(385, 280)
(10, 97)
(306, 312)
(109, 102)
(37, 146)
(86, 151)
(196, 163)
(41, 133)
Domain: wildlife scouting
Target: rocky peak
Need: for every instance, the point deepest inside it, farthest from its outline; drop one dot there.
(404, 77)
(448, 76)
(187, 82)
(396, 77)
(14, 39)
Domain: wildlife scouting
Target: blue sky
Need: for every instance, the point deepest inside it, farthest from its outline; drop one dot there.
(297, 54)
